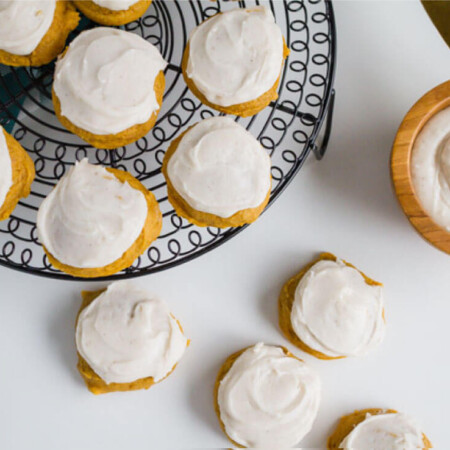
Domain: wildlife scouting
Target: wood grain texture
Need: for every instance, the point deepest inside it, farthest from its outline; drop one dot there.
(431, 103)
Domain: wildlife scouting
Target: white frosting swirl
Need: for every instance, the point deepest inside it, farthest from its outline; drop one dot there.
(237, 56)
(220, 168)
(393, 431)
(430, 168)
(105, 81)
(23, 24)
(115, 5)
(336, 312)
(6, 179)
(126, 334)
(90, 218)
(268, 399)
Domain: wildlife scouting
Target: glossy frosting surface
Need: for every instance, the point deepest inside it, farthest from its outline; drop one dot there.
(115, 5)
(268, 399)
(430, 168)
(220, 168)
(6, 179)
(105, 81)
(336, 312)
(126, 334)
(23, 24)
(236, 56)
(385, 431)
(90, 218)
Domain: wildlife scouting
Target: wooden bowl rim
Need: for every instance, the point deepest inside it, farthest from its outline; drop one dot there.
(426, 107)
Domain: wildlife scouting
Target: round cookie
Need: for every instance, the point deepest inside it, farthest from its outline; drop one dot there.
(349, 422)
(116, 101)
(345, 320)
(100, 226)
(19, 168)
(229, 185)
(247, 68)
(44, 38)
(105, 15)
(146, 316)
(286, 417)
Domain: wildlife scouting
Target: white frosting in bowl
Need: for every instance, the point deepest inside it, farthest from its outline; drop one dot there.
(105, 81)
(268, 399)
(393, 431)
(115, 5)
(6, 179)
(237, 56)
(220, 168)
(126, 334)
(23, 24)
(430, 168)
(336, 312)
(90, 218)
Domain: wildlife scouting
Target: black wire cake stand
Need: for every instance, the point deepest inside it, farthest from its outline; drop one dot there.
(288, 129)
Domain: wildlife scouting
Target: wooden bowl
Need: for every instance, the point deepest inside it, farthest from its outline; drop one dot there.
(431, 103)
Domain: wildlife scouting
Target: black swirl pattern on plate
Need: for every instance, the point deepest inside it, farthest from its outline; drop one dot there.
(288, 129)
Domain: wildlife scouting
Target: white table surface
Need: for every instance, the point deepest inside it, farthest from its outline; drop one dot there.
(389, 55)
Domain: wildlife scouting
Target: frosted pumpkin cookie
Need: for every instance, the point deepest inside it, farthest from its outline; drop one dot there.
(126, 338)
(97, 221)
(217, 174)
(113, 12)
(16, 173)
(108, 87)
(34, 32)
(233, 61)
(331, 310)
(378, 429)
(265, 397)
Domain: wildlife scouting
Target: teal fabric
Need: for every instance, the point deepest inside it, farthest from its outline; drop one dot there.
(6, 97)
